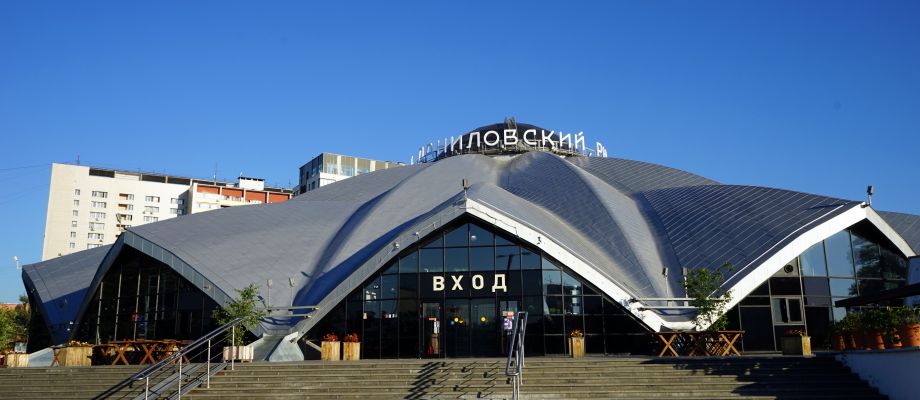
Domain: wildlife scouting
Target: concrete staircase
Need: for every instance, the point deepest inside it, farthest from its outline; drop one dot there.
(98, 382)
(545, 378)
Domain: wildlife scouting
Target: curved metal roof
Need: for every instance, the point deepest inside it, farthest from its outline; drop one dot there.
(628, 220)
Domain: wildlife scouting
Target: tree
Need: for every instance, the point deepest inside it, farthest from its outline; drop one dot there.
(14, 323)
(244, 306)
(704, 287)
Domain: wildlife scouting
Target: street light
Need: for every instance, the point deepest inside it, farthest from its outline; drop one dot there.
(16, 260)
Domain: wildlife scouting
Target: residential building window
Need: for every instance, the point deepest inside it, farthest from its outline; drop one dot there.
(96, 226)
(124, 217)
(97, 215)
(73, 234)
(76, 203)
(176, 211)
(126, 196)
(101, 195)
(73, 224)
(93, 246)
(76, 213)
(126, 207)
(178, 202)
(95, 236)
(73, 245)
(98, 204)
(152, 199)
(76, 192)
(148, 218)
(151, 210)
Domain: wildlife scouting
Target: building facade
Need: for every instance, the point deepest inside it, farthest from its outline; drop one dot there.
(90, 207)
(327, 168)
(427, 260)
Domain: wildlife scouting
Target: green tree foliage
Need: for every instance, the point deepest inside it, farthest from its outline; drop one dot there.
(14, 324)
(244, 306)
(704, 287)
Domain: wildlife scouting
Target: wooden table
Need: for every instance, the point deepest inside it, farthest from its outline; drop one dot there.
(150, 349)
(699, 343)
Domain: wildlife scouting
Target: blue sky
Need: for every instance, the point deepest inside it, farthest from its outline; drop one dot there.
(821, 97)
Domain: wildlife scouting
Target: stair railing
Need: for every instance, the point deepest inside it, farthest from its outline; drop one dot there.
(514, 367)
(195, 350)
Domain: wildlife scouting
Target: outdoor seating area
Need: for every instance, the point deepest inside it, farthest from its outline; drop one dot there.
(121, 352)
(699, 343)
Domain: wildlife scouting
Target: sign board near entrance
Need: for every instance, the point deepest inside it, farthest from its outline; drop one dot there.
(478, 282)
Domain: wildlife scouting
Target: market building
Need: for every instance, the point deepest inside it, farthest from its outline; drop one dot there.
(425, 260)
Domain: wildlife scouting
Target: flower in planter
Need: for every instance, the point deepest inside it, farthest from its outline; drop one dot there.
(577, 333)
(74, 343)
(351, 338)
(795, 332)
(330, 337)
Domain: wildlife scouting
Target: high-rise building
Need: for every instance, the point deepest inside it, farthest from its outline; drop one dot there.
(327, 168)
(90, 207)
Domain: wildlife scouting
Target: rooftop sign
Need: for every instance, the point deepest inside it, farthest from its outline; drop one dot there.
(512, 140)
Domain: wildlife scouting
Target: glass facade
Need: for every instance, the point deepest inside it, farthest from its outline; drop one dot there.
(448, 297)
(142, 298)
(856, 261)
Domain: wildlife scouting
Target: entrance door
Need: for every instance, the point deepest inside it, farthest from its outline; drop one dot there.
(431, 331)
(457, 327)
(484, 327)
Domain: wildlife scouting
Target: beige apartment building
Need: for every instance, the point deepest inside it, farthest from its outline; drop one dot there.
(90, 207)
(327, 168)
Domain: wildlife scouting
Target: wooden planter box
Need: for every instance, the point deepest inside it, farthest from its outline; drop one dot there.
(75, 356)
(17, 360)
(239, 353)
(577, 347)
(796, 345)
(351, 351)
(331, 351)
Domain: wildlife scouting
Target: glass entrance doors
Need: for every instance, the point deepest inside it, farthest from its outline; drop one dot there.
(431, 329)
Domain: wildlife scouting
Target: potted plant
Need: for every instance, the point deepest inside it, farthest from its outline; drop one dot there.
(244, 306)
(577, 343)
(849, 329)
(909, 326)
(75, 354)
(795, 342)
(351, 347)
(330, 348)
(836, 336)
(874, 326)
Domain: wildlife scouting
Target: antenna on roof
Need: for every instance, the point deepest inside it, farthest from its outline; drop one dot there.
(869, 191)
(510, 123)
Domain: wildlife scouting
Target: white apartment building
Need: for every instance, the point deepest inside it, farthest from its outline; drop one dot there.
(90, 207)
(327, 168)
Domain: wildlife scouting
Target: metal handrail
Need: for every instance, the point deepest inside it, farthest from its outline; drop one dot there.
(516, 353)
(177, 356)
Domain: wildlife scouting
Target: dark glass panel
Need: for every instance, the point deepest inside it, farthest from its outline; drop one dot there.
(869, 286)
(389, 288)
(553, 324)
(594, 344)
(480, 236)
(530, 259)
(485, 284)
(573, 322)
(812, 261)
(532, 282)
(785, 286)
(431, 260)
(533, 305)
(817, 301)
(484, 328)
(391, 268)
(755, 301)
(588, 290)
(552, 283)
(594, 324)
(549, 265)
(456, 259)
(457, 237)
(818, 320)
(795, 309)
(611, 308)
(573, 305)
(570, 285)
(454, 289)
(843, 287)
(370, 345)
(354, 318)
(409, 263)
(555, 344)
(893, 265)
(552, 305)
(427, 285)
(436, 241)
(482, 259)
(513, 283)
(408, 286)
(816, 286)
(762, 290)
(533, 345)
(868, 263)
(507, 258)
(594, 305)
(502, 240)
(758, 329)
(372, 289)
(839, 255)
(458, 331)
(389, 328)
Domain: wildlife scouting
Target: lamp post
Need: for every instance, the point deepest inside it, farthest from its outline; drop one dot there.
(16, 260)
